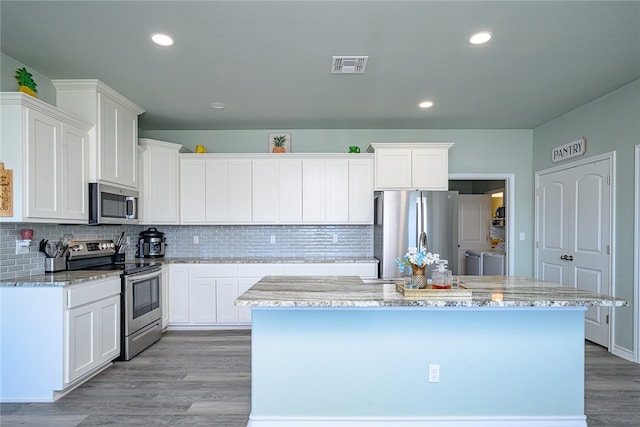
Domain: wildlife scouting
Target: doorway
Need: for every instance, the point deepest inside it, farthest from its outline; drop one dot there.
(574, 214)
(495, 225)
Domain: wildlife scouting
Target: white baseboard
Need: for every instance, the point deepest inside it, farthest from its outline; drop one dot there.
(494, 421)
(623, 353)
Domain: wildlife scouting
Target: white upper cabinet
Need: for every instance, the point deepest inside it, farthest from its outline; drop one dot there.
(159, 182)
(276, 190)
(273, 189)
(215, 190)
(115, 138)
(417, 166)
(48, 151)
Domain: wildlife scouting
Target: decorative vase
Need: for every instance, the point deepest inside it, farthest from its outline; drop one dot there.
(418, 277)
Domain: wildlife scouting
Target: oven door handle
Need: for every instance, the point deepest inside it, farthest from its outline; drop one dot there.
(133, 278)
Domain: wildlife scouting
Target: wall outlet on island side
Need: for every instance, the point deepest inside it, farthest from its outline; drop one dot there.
(434, 373)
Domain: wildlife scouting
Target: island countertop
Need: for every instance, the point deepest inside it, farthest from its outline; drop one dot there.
(487, 291)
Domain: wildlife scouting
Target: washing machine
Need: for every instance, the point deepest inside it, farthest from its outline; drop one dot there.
(473, 263)
(493, 264)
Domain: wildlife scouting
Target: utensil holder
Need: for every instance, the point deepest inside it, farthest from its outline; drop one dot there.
(52, 265)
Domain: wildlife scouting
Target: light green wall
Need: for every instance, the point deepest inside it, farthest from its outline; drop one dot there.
(475, 151)
(8, 83)
(610, 123)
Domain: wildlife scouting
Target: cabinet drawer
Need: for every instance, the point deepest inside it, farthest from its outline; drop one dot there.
(84, 294)
(214, 270)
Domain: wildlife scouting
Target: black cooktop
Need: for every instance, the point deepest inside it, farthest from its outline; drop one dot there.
(131, 267)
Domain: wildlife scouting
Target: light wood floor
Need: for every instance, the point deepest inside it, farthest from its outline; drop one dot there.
(203, 379)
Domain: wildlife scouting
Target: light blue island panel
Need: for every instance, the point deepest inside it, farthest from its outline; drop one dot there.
(520, 366)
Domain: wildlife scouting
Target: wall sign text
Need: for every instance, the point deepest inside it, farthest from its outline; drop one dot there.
(567, 151)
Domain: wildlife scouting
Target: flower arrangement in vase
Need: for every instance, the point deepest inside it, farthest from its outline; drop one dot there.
(418, 261)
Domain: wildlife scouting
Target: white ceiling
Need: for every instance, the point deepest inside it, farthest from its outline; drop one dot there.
(269, 61)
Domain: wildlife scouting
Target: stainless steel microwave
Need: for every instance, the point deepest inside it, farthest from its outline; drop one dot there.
(112, 205)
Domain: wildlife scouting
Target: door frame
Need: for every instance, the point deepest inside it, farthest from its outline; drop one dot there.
(611, 157)
(509, 202)
(636, 251)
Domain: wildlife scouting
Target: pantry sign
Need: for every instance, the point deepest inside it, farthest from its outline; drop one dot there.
(567, 151)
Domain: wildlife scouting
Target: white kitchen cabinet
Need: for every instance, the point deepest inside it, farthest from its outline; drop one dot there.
(228, 191)
(179, 299)
(214, 190)
(361, 191)
(276, 191)
(93, 330)
(325, 190)
(203, 295)
(48, 151)
(416, 166)
(115, 138)
(192, 190)
(159, 182)
(53, 338)
(165, 279)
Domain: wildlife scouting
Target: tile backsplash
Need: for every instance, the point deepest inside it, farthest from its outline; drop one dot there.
(247, 241)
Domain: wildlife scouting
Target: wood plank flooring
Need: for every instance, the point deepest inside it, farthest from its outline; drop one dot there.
(202, 378)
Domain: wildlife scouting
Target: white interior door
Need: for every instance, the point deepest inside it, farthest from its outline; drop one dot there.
(574, 235)
(473, 225)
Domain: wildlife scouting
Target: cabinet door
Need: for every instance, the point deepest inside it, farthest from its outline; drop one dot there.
(264, 186)
(44, 172)
(164, 296)
(202, 300)
(117, 143)
(193, 191)
(179, 300)
(430, 169)
(289, 190)
(361, 191)
(336, 190)
(226, 294)
(75, 158)
(393, 169)
(228, 191)
(161, 183)
(108, 139)
(80, 341)
(109, 315)
(313, 190)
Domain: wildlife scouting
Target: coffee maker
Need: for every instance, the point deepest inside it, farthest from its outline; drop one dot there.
(151, 243)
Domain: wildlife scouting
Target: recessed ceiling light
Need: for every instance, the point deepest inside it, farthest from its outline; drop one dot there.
(426, 104)
(217, 105)
(480, 38)
(162, 39)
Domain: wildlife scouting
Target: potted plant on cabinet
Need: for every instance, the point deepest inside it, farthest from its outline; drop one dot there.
(25, 82)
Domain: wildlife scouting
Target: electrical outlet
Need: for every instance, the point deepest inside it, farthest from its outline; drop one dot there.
(335, 238)
(522, 235)
(21, 247)
(434, 373)
(196, 240)
(128, 240)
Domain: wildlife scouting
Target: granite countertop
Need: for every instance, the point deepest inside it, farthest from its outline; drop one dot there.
(487, 291)
(66, 278)
(61, 278)
(262, 260)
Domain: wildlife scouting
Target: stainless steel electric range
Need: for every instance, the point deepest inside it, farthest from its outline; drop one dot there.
(141, 303)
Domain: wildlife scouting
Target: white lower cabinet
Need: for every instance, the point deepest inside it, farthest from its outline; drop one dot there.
(53, 338)
(203, 295)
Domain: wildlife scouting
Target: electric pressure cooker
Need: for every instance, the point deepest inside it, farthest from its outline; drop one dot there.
(151, 243)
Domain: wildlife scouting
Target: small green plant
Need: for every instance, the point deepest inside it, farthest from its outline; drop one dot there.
(279, 140)
(25, 78)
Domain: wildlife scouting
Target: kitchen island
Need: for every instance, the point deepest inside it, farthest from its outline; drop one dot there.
(333, 351)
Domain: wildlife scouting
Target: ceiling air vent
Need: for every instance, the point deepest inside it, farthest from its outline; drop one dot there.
(348, 64)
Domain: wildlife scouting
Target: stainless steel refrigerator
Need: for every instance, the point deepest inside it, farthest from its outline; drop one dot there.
(405, 219)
